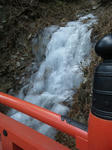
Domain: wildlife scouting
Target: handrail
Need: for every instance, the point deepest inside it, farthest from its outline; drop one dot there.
(43, 115)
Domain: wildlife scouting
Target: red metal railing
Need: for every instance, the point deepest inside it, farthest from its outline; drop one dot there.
(43, 115)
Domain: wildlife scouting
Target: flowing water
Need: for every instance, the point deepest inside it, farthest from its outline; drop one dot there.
(60, 53)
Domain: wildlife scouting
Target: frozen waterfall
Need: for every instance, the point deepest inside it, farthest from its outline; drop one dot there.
(61, 52)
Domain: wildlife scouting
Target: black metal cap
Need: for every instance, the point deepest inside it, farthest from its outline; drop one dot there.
(102, 86)
(104, 47)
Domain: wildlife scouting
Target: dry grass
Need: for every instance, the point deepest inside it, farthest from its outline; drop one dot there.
(104, 25)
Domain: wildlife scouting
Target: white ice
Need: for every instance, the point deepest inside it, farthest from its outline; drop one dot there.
(65, 50)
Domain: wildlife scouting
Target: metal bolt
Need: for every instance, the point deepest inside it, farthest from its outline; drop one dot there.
(5, 133)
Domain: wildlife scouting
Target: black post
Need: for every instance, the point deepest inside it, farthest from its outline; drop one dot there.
(102, 87)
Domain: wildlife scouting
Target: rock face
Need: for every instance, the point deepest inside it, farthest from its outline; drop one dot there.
(96, 2)
(20, 2)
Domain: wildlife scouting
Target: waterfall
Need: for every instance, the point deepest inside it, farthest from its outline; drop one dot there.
(60, 53)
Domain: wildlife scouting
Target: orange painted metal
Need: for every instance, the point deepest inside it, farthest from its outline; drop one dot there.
(21, 137)
(42, 114)
(47, 117)
(99, 133)
(0, 143)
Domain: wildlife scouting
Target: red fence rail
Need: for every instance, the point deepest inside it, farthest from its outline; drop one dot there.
(14, 128)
